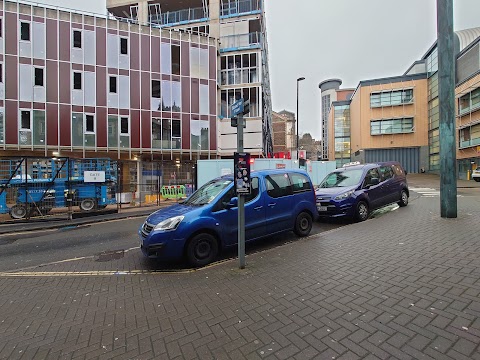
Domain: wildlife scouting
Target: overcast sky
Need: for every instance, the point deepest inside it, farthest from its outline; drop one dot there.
(347, 39)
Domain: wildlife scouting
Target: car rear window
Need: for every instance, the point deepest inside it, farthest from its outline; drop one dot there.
(300, 183)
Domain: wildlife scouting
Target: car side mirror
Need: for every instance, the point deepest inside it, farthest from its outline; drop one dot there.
(233, 203)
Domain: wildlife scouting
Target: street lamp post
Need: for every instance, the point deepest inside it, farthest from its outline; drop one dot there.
(298, 80)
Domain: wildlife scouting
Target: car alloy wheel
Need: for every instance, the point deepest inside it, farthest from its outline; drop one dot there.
(362, 211)
(403, 198)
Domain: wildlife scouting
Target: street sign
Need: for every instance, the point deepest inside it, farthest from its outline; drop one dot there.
(94, 176)
(242, 173)
(237, 107)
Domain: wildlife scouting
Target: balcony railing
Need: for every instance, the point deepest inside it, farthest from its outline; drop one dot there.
(234, 8)
(180, 16)
(240, 42)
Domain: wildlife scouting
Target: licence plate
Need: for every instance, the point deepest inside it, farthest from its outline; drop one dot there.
(321, 208)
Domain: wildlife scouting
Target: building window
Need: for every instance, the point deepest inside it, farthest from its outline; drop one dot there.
(469, 102)
(123, 46)
(469, 136)
(156, 89)
(391, 126)
(39, 78)
(1, 28)
(25, 123)
(25, 31)
(239, 69)
(175, 60)
(77, 39)
(391, 98)
(77, 81)
(124, 126)
(89, 124)
(113, 84)
(1, 73)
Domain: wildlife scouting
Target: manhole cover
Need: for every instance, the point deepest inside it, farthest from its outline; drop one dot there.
(110, 255)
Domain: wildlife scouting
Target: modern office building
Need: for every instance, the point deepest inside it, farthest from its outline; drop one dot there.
(397, 118)
(239, 28)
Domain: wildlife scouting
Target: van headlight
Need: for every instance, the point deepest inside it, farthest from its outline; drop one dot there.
(344, 195)
(169, 224)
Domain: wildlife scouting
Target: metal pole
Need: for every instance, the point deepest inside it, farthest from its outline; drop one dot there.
(446, 99)
(241, 201)
(298, 156)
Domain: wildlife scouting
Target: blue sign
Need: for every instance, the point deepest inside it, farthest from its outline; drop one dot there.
(237, 107)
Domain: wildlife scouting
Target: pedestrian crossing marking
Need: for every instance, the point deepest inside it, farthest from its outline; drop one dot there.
(428, 192)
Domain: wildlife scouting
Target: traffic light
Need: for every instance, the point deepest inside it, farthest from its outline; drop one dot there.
(234, 121)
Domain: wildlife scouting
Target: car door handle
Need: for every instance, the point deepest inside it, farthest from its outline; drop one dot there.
(257, 208)
(272, 204)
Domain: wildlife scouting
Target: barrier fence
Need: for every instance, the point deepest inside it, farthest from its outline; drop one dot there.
(36, 188)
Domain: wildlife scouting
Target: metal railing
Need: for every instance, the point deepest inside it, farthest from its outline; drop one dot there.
(173, 17)
(233, 8)
(243, 41)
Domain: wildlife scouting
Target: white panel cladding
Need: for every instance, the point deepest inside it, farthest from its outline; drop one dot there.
(89, 47)
(2, 91)
(25, 48)
(112, 100)
(77, 55)
(124, 91)
(39, 94)
(89, 88)
(26, 82)
(113, 45)
(38, 34)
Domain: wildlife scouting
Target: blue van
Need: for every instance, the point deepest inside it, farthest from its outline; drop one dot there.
(356, 190)
(206, 222)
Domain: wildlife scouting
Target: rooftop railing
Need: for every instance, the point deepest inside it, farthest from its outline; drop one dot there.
(233, 8)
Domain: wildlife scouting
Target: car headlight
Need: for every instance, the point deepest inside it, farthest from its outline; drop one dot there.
(169, 224)
(344, 195)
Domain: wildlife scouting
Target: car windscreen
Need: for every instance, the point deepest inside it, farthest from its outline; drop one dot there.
(208, 192)
(343, 178)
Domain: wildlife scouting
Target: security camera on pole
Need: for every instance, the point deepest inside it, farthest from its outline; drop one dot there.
(242, 172)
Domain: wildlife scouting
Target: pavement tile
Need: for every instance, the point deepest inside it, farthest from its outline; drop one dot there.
(359, 282)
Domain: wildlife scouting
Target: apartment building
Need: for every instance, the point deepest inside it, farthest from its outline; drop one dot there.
(239, 28)
(82, 85)
(397, 118)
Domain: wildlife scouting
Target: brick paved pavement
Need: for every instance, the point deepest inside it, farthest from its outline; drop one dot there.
(405, 285)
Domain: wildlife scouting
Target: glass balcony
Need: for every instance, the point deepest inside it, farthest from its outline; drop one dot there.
(240, 42)
(239, 7)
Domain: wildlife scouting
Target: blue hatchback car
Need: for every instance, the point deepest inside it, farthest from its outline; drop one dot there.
(206, 222)
(356, 190)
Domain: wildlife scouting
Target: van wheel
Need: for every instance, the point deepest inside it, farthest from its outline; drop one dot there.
(403, 199)
(361, 213)
(476, 179)
(87, 204)
(202, 249)
(303, 224)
